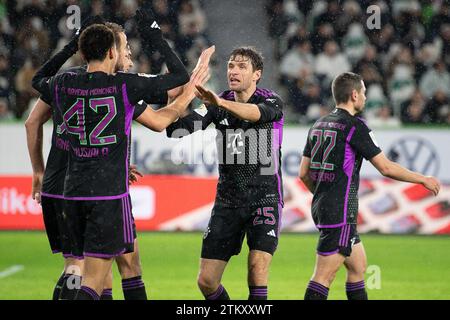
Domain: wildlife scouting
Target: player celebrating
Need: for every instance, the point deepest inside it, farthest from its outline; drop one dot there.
(97, 109)
(52, 182)
(249, 196)
(332, 159)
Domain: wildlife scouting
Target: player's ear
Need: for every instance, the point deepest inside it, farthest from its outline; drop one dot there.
(257, 75)
(354, 95)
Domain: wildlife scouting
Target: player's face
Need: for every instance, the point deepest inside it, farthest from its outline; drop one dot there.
(124, 56)
(240, 74)
(128, 63)
(361, 98)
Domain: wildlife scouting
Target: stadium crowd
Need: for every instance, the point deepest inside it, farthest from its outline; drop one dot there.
(405, 62)
(32, 30)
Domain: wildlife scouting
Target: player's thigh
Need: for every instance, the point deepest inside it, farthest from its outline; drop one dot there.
(263, 228)
(224, 235)
(357, 261)
(109, 229)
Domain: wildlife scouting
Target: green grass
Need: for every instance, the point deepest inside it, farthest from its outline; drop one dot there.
(412, 267)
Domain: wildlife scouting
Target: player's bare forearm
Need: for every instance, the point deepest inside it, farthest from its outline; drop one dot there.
(395, 171)
(34, 143)
(244, 111)
(159, 120)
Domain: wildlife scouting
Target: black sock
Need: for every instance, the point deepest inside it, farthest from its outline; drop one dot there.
(70, 287)
(356, 290)
(134, 289)
(86, 293)
(58, 287)
(220, 294)
(106, 294)
(257, 293)
(316, 291)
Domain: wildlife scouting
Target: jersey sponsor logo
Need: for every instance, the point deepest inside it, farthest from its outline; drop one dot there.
(236, 141)
(372, 136)
(272, 233)
(224, 122)
(147, 75)
(202, 110)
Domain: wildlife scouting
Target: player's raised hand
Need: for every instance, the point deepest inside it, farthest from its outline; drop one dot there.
(36, 188)
(147, 26)
(204, 58)
(208, 96)
(432, 184)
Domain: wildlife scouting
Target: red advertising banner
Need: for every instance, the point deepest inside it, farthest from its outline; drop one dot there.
(184, 203)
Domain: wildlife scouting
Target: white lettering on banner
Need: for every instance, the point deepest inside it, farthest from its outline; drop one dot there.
(198, 152)
(12, 202)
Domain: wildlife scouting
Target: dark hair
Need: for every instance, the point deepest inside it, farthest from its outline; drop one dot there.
(117, 29)
(95, 42)
(254, 55)
(343, 86)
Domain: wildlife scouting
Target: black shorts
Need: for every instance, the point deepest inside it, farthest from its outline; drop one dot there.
(228, 226)
(52, 212)
(338, 240)
(100, 228)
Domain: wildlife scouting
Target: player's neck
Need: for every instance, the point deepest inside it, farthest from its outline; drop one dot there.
(99, 66)
(245, 95)
(348, 107)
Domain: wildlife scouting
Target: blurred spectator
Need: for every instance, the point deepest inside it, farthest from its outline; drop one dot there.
(25, 91)
(190, 13)
(5, 77)
(436, 79)
(412, 111)
(354, 42)
(437, 109)
(383, 116)
(305, 94)
(296, 60)
(5, 113)
(331, 62)
(325, 32)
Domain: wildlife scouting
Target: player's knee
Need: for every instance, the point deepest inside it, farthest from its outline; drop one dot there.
(207, 282)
